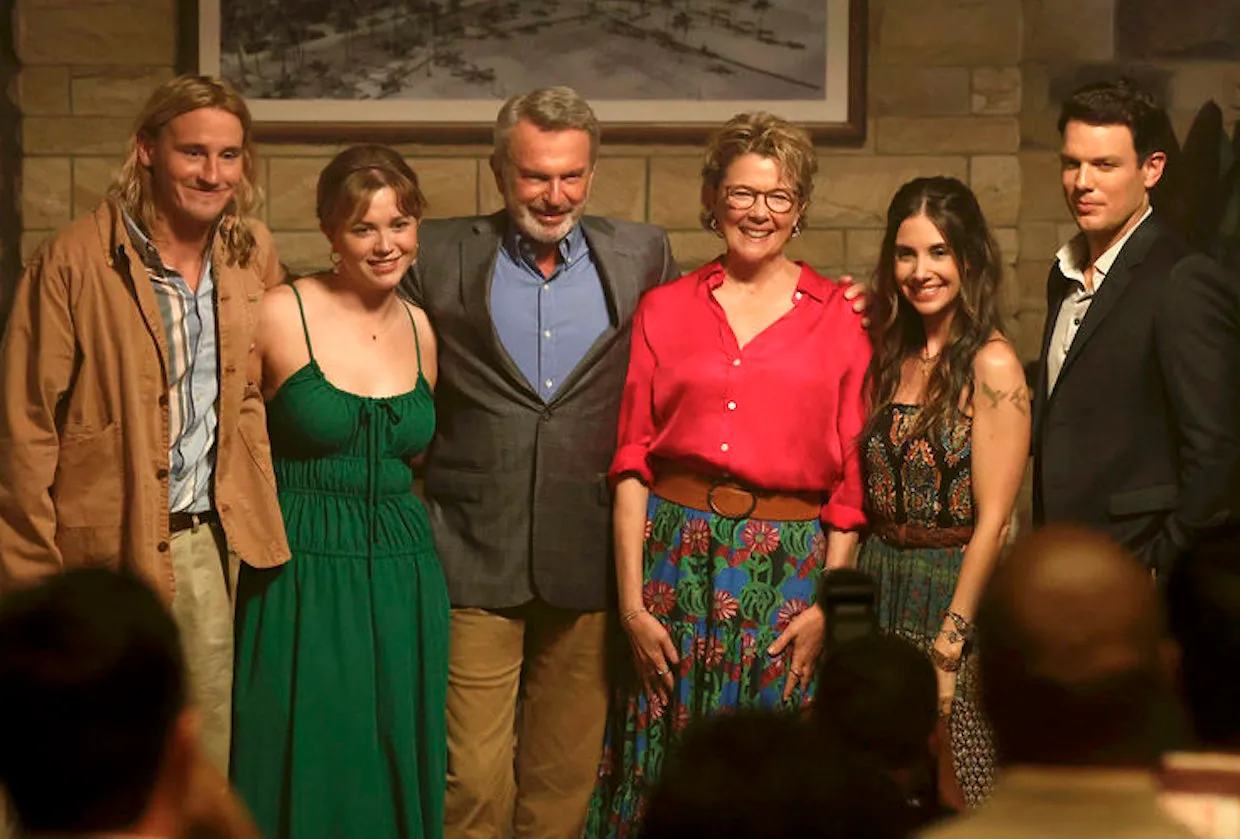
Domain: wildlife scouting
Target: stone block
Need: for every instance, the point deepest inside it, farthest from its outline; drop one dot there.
(675, 192)
(1059, 31)
(861, 251)
(489, 197)
(947, 32)
(46, 191)
(1192, 85)
(1039, 129)
(855, 191)
(449, 184)
(303, 252)
(619, 188)
(948, 135)
(1008, 239)
(996, 183)
(76, 135)
(116, 91)
(1031, 276)
(822, 250)
(692, 249)
(1039, 239)
(1041, 193)
(97, 33)
(996, 90)
(896, 89)
(91, 178)
(291, 183)
(43, 91)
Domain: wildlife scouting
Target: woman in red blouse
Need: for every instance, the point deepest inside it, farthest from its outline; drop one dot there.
(737, 476)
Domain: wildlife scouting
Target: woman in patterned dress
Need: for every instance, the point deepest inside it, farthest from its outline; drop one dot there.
(946, 441)
(737, 477)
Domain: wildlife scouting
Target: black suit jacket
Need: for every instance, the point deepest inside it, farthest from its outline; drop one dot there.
(517, 488)
(1141, 435)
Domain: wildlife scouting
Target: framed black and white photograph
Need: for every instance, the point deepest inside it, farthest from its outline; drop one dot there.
(650, 68)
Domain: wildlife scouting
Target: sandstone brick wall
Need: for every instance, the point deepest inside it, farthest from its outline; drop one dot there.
(962, 87)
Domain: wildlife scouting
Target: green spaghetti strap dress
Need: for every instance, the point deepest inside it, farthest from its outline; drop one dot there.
(342, 653)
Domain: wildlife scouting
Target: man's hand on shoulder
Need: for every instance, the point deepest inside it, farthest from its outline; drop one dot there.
(858, 294)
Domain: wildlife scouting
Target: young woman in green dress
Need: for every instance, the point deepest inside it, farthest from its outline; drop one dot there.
(342, 666)
(946, 442)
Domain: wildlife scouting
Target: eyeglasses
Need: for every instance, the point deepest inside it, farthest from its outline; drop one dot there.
(778, 201)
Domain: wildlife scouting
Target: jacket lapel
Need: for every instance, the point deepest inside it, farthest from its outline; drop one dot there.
(618, 275)
(1130, 256)
(477, 270)
(124, 258)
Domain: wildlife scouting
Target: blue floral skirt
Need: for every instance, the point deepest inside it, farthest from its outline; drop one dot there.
(725, 589)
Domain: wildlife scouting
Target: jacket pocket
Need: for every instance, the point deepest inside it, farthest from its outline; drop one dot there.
(1135, 502)
(88, 491)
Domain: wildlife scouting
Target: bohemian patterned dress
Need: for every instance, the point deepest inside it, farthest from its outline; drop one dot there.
(919, 502)
(780, 415)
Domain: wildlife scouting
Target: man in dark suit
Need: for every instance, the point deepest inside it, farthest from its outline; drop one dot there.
(1137, 401)
(532, 306)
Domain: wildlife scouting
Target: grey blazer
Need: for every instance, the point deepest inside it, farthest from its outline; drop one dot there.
(517, 488)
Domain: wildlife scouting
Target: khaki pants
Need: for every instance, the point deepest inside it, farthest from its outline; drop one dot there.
(556, 659)
(204, 572)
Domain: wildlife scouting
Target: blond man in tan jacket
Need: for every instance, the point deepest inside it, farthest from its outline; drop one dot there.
(130, 435)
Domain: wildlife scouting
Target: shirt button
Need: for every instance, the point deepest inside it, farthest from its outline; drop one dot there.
(724, 447)
(736, 362)
(796, 296)
(731, 406)
(1076, 321)
(546, 333)
(547, 383)
(546, 286)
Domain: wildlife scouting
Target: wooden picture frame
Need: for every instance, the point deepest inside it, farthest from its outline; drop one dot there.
(438, 70)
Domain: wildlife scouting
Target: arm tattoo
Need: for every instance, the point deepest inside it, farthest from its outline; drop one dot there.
(1019, 397)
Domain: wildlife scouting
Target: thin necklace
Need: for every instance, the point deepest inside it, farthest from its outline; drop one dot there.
(374, 336)
(927, 360)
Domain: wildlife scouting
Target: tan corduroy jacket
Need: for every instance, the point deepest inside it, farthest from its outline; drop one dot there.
(84, 429)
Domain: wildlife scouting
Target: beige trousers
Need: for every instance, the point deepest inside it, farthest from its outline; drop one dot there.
(529, 778)
(204, 572)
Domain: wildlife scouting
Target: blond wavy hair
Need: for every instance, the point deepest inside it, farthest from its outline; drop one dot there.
(133, 188)
(765, 135)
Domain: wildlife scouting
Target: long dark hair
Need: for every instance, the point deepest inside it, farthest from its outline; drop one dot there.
(898, 331)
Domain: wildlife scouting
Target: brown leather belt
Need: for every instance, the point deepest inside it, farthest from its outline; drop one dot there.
(184, 521)
(722, 496)
(915, 536)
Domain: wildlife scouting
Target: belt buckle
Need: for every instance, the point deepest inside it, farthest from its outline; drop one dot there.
(716, 483)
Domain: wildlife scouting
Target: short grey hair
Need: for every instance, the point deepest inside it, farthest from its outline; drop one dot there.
(551, 109)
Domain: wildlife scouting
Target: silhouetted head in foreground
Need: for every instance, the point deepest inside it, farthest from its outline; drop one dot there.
(1073, 669)
(93, 720)
(766, 776)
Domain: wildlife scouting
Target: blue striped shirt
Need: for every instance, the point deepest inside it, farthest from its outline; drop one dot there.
(193, 374)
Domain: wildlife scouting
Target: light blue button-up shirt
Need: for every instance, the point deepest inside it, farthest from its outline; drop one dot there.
(547, 323)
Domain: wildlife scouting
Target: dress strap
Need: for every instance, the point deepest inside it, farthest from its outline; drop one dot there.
(305, 329)
(417, 342)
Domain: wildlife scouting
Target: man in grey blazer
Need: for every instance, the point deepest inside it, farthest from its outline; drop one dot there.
(532, 306)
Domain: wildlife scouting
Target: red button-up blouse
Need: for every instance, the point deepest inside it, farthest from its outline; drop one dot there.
(782, 414)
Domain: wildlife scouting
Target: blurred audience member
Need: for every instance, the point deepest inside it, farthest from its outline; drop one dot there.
(877, 697)
(1202, 788)
(752, 775)
(1075, 679)
(98, 738)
